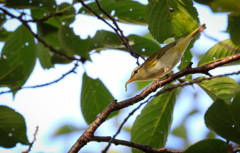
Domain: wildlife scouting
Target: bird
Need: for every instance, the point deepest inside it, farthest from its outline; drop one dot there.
(164, 60)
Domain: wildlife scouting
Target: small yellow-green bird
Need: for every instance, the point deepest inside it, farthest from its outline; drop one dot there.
(164, 60)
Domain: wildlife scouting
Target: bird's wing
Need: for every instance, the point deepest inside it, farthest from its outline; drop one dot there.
(152, 60)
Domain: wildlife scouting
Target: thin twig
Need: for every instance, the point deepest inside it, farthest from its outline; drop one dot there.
(124, 121)
(116, 29)
(46, 17)
(34, 139)
(141, 147)
(45, 84)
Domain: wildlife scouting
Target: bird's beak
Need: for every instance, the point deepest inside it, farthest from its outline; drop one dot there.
(130, 80)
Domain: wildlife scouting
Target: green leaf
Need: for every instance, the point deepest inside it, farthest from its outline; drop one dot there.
(41, 13)
(95, 97)
(152, 126)
(126, 11)
(4, 34)
(171, 18)
(222, 5)
(2, 20)
(233, 27)
(67, 129)
(143, 45)
(220, 88)
(219, 51)
(18, 58)
(73, 44)
(223, 118)
(49, 34)
(208, 146)
(180, 131)
(105, 40)
(44, 56)
(12, 128)
(49, 5)
(108, 40)
(68, 13)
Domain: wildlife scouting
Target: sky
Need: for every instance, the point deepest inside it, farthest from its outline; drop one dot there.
(55, 105)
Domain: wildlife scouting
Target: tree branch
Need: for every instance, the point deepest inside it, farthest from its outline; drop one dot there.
(25, 23)
(43, 85)
(120, 127)
(114, 106)
(137, 146)
(117, 30)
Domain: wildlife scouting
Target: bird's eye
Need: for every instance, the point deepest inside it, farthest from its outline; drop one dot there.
(135, 72)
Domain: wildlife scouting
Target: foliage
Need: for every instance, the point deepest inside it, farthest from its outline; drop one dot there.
(55, 42)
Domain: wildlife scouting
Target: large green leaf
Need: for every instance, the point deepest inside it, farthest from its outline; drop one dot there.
(73, 44)
(49, 5)
(143, 45)
(219, 51)
(105, 40)
(126, 11)
(94, 98)
(220, 88)
(44, 56)
(233, 27)
(222, 5)
(4, 34)
(208, 146)
(169, 18)
(17, 58)
(223, 118)
(49, 34)
(12, 128)
(152, 126)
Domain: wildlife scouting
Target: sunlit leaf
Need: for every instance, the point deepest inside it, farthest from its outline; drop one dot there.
(223, 118)
(17, 58)
(222, 5)
(171, 18)
(94, 98)
(208, 146)
(126, 11)
(12, 128)
(233, 27)
(219, 51)
(220, 88)
(152, 126)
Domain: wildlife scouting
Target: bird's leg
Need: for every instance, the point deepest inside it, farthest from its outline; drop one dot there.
(155, 81)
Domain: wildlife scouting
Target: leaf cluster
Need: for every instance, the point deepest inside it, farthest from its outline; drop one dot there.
(165, 19)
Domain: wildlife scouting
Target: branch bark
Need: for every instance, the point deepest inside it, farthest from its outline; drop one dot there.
(137, 146)
(114, 106)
